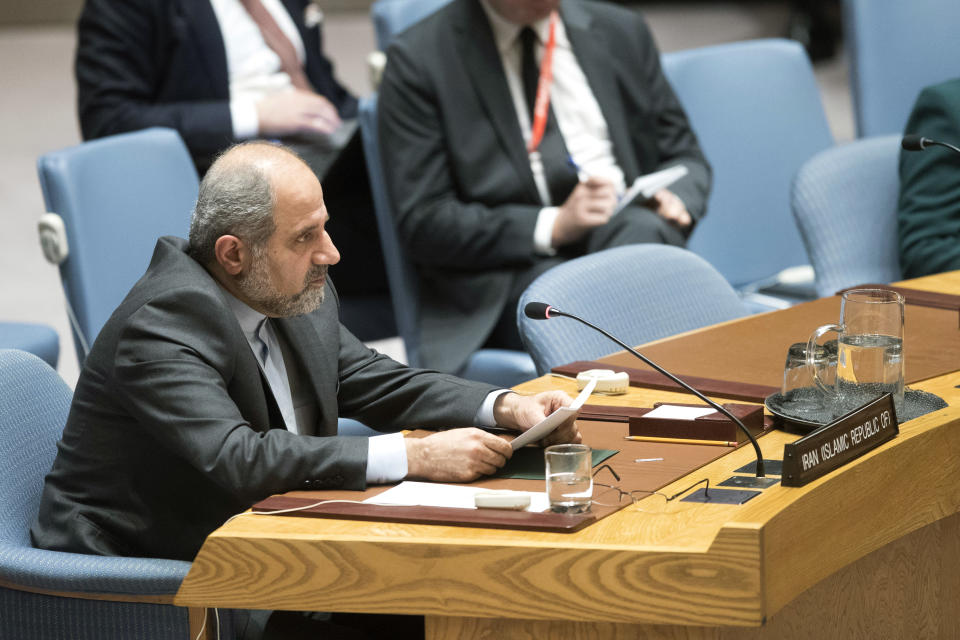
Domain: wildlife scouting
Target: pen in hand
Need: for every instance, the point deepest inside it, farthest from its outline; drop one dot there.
(581, 174)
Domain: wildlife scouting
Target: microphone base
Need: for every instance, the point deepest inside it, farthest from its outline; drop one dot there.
(721, 496)
(749, 482)
(773, 467)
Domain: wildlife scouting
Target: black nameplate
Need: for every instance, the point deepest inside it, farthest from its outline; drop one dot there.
(835, 444)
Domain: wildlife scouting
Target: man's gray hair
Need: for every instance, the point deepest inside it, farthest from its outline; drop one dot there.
(236, 198)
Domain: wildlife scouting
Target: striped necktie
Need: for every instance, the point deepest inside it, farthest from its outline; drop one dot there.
(277, 40)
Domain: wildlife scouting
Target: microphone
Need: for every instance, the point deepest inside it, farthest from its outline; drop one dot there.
(544, 311)
(914, 142)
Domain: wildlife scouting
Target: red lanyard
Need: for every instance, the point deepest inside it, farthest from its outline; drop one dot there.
(542, 104)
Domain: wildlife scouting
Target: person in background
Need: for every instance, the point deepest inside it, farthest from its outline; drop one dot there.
(928, 216)
(488, 194)
(222, 71)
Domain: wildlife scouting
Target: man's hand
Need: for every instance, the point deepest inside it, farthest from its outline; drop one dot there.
(296, 111)
(458, 455)
(670, 207)
(463, 455)
(589, 205)
(522, 412)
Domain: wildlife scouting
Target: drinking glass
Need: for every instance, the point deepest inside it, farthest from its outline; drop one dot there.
(569, 482)
(869, 349)
(796, 373)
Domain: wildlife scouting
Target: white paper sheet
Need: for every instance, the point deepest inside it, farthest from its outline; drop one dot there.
(673, 412)
(432, 494)
(646, 186)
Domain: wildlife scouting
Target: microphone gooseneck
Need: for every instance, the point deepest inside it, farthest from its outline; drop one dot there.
(914, 142)
(543, 311)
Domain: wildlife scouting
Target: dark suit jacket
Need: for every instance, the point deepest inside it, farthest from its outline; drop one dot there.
(170, 429)
(145, 63)
(457, 170)
(929, 208)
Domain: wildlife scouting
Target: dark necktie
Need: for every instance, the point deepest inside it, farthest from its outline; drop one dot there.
(277, 40)
(561, 177)
(271, 363)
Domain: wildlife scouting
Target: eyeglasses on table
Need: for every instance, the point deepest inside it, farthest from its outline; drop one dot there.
(610, 495)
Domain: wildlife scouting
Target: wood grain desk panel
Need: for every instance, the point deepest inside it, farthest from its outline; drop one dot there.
(860, 551)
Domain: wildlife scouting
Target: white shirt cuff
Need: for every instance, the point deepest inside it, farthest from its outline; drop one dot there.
(387, 454)
(484, 417)
(243, 114)
(386, 459)
(543, 232)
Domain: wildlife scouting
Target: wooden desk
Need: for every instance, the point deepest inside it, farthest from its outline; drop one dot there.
(870, 550)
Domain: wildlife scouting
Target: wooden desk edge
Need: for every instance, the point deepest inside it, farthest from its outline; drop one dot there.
(836, 519)
(760, 547)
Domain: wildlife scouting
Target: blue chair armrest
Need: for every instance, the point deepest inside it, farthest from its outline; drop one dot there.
(79, 573)
(502, 367)
(38, 339)
(350, 427)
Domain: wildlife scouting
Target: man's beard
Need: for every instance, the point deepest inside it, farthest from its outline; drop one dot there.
(255, 285)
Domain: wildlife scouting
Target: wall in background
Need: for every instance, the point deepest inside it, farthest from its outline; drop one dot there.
(43, 12)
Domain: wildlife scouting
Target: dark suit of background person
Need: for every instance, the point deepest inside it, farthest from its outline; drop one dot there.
(147, 63)
(929, 208)
(459, 175)
(169, 432)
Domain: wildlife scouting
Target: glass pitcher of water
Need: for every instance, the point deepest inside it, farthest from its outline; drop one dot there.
(869, 349)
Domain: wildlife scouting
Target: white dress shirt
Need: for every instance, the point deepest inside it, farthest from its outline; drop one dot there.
(253, 68)
(578, 114)
(386, 454)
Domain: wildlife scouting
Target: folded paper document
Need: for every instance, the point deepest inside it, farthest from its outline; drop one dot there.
(546, 426)
(645, 186)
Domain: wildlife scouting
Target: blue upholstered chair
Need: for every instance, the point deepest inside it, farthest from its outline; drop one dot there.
(638, 293)
(116, 196)
(496, 366)
(390, 17)
(756, 109)
(38, 339)
(897, 48)
(51, 594)
(845, 203)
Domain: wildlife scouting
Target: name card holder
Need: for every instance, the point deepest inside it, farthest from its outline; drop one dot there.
(713, 426)
(842, 441)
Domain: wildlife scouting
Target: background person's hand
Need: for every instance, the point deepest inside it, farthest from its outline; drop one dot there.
(296, 111)
(670, 207)
(589, 205)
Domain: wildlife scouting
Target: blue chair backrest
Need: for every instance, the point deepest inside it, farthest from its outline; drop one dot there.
(638, 293)
(390, 17)
(845, 203)
(404, 290)
(756, 109)
(34, 402)
(116, 196)
(896, 48)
